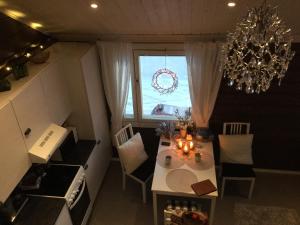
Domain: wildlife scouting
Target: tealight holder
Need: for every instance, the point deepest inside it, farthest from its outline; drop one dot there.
(180, 144)
(168, 160)
(197, 156)
(189, 137)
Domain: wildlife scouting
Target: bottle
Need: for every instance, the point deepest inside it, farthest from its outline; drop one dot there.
(185, 206)
(193, 206)
(199, 207)
(169, 205)
(178, 210)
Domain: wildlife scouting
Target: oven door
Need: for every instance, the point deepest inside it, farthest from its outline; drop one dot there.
(80, 204)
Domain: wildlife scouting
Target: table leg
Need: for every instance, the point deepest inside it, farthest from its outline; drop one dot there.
(212, 210)
(155, 208)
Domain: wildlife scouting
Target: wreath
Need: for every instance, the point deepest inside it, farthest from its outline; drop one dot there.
(160, 87)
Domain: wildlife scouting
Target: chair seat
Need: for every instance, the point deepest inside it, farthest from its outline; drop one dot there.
(144, 170)
(237, 170)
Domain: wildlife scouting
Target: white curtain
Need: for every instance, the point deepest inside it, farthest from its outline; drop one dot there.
(116, 64)
(203, 62)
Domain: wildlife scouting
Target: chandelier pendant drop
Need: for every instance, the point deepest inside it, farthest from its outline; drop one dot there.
(257, 51)
(164, 80)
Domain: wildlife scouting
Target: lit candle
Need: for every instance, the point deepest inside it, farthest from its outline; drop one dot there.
(191, 144)
(185, 149)
(189, 137)
(180, 144)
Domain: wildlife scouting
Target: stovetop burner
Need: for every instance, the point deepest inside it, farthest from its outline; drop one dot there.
(55, 181)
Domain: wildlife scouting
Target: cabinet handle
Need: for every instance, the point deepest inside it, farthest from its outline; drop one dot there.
(86, 166)
(98, 142)
(27, 132)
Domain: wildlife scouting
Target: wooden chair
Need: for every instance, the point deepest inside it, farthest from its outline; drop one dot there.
(232, 171)
(144, 172)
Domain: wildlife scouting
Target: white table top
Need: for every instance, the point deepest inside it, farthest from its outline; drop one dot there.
(159, 184)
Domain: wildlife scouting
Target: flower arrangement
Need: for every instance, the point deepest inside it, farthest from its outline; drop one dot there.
(165, 128)
(184, 120)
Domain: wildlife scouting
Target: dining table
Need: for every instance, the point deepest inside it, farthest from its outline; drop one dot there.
(175, 172)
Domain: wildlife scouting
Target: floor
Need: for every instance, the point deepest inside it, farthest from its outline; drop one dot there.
(116, 207)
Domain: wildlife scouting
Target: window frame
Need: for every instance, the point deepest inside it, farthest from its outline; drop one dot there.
(148, 50)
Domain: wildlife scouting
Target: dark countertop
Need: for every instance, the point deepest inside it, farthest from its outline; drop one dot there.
(80, 154)
(40, 211)
(77, 153)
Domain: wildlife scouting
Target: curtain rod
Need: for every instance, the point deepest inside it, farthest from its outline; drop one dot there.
(140, 38)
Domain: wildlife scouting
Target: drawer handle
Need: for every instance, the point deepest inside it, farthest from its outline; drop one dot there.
(98, 142)
(27, 132)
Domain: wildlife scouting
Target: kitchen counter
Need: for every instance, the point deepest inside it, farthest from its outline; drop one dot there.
(40, 211)
(79, 154)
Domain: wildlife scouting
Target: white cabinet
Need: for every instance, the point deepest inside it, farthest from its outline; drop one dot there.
(95, 169)
(31, 111)
(89, 116)
(14, 160)
(95, 94)
(56, 93)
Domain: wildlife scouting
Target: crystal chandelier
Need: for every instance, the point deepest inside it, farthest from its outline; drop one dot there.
(257, 51)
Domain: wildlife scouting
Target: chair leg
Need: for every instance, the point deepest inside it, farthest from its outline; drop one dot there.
(124, 181)
(223, 187)
(251, 188)
(144, 193)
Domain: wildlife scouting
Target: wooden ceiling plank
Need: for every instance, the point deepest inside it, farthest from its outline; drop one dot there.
(145, 17)
(151, 14)
(186, 7)
(175, 14)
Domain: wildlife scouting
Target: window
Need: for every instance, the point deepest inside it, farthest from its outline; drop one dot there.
(149, 103)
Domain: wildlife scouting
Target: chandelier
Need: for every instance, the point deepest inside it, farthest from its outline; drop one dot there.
(257, 51)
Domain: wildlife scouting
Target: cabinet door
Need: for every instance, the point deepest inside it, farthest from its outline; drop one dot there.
(31, 110)
(91, 74)
(14, 159)
(96, 168)
(56, 93)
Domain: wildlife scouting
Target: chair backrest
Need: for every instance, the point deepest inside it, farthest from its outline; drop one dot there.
(236, 128)
(123, 135)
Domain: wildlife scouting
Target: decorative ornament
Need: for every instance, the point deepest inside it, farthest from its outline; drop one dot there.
(161, 88)
(258, 50)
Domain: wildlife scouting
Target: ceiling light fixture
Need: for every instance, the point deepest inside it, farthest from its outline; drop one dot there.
(257, 51)
(231, 4)
(94, 5)
(27, 54)
(35, 25)
(14, 14)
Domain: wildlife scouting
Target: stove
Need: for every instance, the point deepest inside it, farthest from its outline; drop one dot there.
(63, 181)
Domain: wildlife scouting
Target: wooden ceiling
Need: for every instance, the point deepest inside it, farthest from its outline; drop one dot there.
(75, 18)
